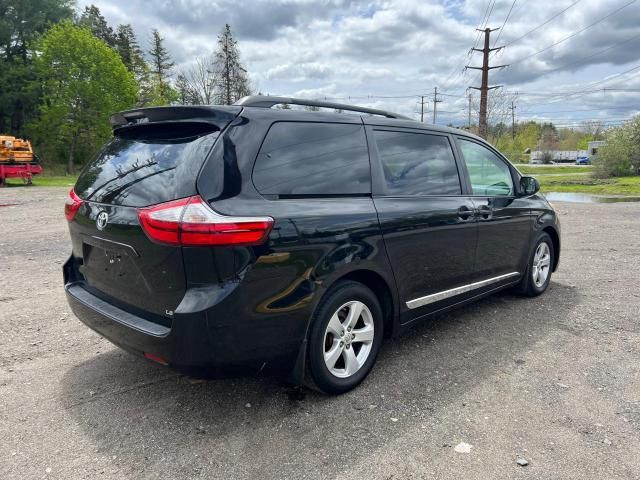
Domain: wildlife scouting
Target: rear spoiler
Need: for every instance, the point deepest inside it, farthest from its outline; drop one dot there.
(219, 116)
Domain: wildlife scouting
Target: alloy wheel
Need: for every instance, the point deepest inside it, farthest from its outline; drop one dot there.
(541, 264)
(348, 339)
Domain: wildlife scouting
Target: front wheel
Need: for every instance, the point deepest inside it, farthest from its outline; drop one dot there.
(538, 274)
(345, 337)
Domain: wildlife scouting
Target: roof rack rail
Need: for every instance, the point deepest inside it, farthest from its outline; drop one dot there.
(267, 101)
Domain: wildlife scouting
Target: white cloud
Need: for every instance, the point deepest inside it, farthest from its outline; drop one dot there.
(343, 48)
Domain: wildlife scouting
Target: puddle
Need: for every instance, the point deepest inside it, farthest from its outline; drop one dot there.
(587, 198)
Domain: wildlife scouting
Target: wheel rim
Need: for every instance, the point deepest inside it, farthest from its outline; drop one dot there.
(348, 339)
(541, 264)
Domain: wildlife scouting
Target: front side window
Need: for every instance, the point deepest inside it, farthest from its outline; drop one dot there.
(489, 174)
(313, 158)
(417, 163)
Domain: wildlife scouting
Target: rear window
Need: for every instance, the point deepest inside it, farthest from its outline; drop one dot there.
(141, 167)
(313, 159)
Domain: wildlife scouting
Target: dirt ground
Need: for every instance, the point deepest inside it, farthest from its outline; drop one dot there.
(554, 380)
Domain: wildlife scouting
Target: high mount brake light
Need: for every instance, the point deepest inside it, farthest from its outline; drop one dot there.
(72, 205)
(191, 222)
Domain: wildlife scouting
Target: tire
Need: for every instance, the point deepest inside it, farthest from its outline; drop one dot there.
(332, 343)
(530, 286)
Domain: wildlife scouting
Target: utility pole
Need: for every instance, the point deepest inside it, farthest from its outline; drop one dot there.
(469, 111)
(484, 87)
(422, 109)
(513, 119)
(436, 101)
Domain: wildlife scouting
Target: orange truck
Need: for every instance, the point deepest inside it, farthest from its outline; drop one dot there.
(17, 160)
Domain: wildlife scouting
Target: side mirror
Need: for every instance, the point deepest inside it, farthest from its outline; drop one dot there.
(529, 186)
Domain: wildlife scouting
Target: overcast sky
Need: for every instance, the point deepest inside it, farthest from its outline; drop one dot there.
(340, 48)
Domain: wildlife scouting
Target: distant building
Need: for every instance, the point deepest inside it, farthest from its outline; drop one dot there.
(558, 155)
(594, 146)
(567, 156)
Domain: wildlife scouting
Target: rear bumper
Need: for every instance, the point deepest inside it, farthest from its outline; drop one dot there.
(138, 335)
(195, 341)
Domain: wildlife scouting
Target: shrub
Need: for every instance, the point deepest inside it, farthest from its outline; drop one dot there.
(620, 155)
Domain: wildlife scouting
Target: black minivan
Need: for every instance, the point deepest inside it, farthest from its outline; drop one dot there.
(240, 237)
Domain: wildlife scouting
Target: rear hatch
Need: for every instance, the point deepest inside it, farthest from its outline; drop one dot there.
(154, 157)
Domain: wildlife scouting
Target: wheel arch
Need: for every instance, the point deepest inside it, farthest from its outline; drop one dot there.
(382, 289)
(555, 238)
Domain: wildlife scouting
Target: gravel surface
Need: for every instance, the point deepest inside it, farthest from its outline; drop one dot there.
(544, 388)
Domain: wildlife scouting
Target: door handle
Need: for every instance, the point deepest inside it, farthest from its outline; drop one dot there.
(485, 211)
(464, 212)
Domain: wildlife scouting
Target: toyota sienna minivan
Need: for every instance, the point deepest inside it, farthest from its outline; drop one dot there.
(245, 237)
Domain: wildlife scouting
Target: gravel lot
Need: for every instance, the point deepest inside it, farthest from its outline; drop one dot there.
(554, 380)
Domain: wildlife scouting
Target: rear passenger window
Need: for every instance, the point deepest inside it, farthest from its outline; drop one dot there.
(313, 159)
(417, 163)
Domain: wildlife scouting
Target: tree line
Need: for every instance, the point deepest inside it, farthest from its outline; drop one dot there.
(62, 73)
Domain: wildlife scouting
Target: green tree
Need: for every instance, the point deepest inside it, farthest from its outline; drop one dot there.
(83, 81)
(92, 19)
(233, 82)
(583, 143)
(133, 58)
(620, 155)
(21, 21)
(126, 44)
(185, 96)
(160, 90)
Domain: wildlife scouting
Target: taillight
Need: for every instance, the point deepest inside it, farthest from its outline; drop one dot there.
(72, 205)
(191, 222)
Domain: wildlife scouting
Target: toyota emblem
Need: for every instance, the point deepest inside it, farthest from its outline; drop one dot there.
(101, 220)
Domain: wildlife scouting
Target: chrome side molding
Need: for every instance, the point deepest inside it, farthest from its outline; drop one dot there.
(452, 292)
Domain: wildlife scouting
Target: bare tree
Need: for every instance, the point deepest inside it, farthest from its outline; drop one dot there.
(498, 107)
(197, 84)
(232, 81)
(595, 128)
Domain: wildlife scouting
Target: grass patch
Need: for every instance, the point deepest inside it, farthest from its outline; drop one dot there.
(529, 170)
(580, 184)
(45, 181)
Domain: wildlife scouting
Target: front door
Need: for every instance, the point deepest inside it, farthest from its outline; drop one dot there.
(504, 219)
(428, 225)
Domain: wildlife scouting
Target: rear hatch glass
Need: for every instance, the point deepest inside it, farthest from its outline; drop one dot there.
(140, 166)
(146, 165)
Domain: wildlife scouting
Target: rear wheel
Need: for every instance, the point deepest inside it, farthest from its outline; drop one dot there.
(538, 274)
(345, 337)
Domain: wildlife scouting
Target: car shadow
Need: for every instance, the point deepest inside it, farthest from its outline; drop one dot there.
(151, 420)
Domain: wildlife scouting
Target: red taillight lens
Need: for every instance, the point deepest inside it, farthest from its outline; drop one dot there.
(191, 222)
(72, 205)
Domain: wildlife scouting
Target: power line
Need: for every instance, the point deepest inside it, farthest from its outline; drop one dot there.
(578, 111)
(563, 67)
(542, 24)
(572, 35)
(483, 23)
(505, 22)
(569, 119)
(576, 95)
(615, 76)
(518, 92)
